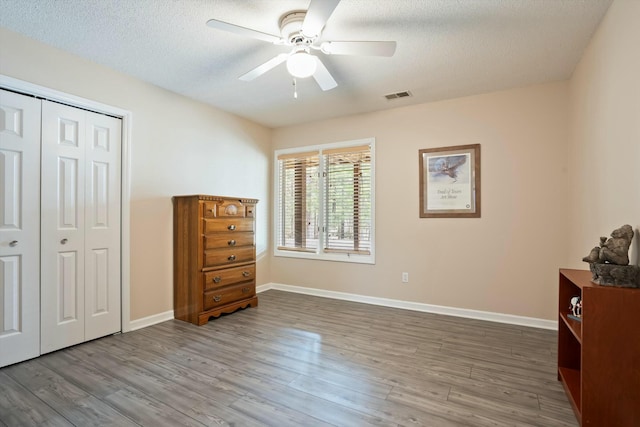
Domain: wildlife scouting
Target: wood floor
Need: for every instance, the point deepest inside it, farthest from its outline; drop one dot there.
(297, 360)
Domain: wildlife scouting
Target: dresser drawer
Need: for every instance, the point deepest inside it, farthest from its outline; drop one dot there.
(228, 239)
(227, 208)
(216, 257)
(219, 297)
(229, 276)
(227, 224)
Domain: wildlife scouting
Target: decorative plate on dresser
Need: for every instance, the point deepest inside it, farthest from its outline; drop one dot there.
(214, 256)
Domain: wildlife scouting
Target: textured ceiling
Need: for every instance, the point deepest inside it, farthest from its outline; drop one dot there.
(445, 48)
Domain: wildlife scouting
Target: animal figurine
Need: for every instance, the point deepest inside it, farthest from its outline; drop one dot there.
(576, 306)
(614, 250)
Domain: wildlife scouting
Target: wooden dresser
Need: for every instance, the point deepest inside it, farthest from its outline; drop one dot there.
(214, 256)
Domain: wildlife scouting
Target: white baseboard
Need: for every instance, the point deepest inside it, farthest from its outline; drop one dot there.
(150, 320)
(416, 306)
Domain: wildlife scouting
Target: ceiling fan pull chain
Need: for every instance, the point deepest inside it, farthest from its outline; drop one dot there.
(295, 89)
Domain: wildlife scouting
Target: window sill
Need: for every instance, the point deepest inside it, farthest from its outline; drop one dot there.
(337, 257)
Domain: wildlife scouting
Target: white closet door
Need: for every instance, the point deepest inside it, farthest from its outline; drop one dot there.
(62, 240)
(80, 277)
(19, 227)
(102, 213)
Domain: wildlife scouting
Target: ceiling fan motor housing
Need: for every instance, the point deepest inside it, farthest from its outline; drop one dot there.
(291, 29)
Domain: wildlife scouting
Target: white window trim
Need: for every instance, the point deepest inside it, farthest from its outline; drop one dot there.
(319, 254)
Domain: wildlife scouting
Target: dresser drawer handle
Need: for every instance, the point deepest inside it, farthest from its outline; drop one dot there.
(217, 279)
(217, 298)
(246, 274)
(232, 227)
(245, 290)
(231, 258)
(231, 242)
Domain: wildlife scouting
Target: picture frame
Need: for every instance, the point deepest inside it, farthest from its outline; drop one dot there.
(450, 182)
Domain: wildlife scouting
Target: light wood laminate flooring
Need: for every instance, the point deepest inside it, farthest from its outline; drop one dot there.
(297, 360)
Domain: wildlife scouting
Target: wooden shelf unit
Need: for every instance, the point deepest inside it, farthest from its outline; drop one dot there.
(599, 357)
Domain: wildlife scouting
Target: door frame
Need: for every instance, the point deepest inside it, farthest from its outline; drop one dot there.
(126, 116)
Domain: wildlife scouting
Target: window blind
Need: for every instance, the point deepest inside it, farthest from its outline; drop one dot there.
(347, 197)
(298, 205)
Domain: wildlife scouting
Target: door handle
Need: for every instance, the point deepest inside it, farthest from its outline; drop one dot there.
(64, 241)
(13, 243)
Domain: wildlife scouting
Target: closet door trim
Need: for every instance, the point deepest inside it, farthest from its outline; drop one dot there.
(27, 88)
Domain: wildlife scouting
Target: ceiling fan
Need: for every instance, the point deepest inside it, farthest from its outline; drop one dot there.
(301, 31)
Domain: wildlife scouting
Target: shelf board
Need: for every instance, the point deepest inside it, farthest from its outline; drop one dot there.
(578, 278)
(571, 381)
(574, 326)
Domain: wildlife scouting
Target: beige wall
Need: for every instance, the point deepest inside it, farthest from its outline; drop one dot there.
(504, 262)
(559, 169)
(604, 148)
(178, 147)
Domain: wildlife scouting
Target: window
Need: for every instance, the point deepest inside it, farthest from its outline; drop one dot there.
(325, 202)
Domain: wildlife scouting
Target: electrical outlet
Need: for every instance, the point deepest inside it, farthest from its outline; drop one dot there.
(405, 277)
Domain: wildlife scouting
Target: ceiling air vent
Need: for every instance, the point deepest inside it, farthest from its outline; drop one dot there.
(396, 95)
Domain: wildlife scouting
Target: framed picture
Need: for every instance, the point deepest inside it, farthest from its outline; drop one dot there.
(450, 182)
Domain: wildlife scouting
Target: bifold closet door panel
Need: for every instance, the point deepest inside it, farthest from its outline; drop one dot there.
(102, 226)
(62, 219)
(80, 279)
(19, 227)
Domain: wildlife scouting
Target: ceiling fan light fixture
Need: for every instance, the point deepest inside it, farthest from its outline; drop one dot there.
(301, 64)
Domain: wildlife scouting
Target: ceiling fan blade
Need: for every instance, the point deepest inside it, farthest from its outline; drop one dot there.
(317, 15)
(242, 31)
(261, 69)
(323, 77)
(359, 48)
